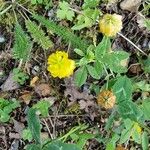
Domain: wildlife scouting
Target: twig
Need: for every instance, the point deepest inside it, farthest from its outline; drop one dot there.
(59, 116)
(132, 43)
(5, 10)
(24, 8)
(48, 128)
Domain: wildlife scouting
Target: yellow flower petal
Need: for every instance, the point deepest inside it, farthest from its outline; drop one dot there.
(59, 65)
(110, 24)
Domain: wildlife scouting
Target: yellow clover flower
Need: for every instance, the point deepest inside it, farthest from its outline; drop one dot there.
(59, 65)
(110, 24)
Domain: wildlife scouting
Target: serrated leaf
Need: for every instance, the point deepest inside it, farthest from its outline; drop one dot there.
(86, 19)
(43, 107)
(80, 76)
(38, 35)
(68, 36)
(22, 46)
(90, 3)
(64, 11)
(34, 125)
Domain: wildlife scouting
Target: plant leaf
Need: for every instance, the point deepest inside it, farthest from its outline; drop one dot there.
(22, 46)
(81, 76)
(38, 35)
(34, 124)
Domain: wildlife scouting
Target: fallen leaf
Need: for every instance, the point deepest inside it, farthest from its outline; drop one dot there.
(34, 81)
(15, 145)
(18, 126)
(26, 97)
(135, 69)
(42, 89)
(10, 84)
(90, 107)
(130, 5)
(73, 93)
(120, 147)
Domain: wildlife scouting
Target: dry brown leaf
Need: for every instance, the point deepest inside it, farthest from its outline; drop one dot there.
(120, 147)
(106, 99)
(43, 89)
(18, 126)
(9, 84)
(73, 93)
(26, 97)
(90, 108)
(34, 81)
(130, 5)
(135, 68)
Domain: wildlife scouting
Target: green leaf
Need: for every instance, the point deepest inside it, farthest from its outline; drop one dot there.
(90, 3)
(86, 19)
(102, 48)
(57, 145)
(128, 109)
(93, 72)
(26, 135)
(33, 147)
(19, 76)
(145, 141)
(146, 64)
(81, 76)
(43, 107)
(147, 23)
(111, 145)
(64, 11)
(83, 139)
(110, 120)
(67, 35)
(142, 85)
(125, 135)
(38, 35)
(116, 61)
(34, 124)
(6, 107)
(146, 109)
(79, 52)
(123, 89)
(22, 46)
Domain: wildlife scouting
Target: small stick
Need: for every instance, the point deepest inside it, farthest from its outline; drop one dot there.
(132, 43)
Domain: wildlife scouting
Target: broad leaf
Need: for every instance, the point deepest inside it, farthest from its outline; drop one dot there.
(116, 61)
(102, 48)
(58, 145)
(123, 89)
(34, 125)
(81, 76)
(145, 141)
(146, 109)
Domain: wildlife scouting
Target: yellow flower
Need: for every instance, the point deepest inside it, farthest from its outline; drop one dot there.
(59, 65)
(137, 128)
(110, 24)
